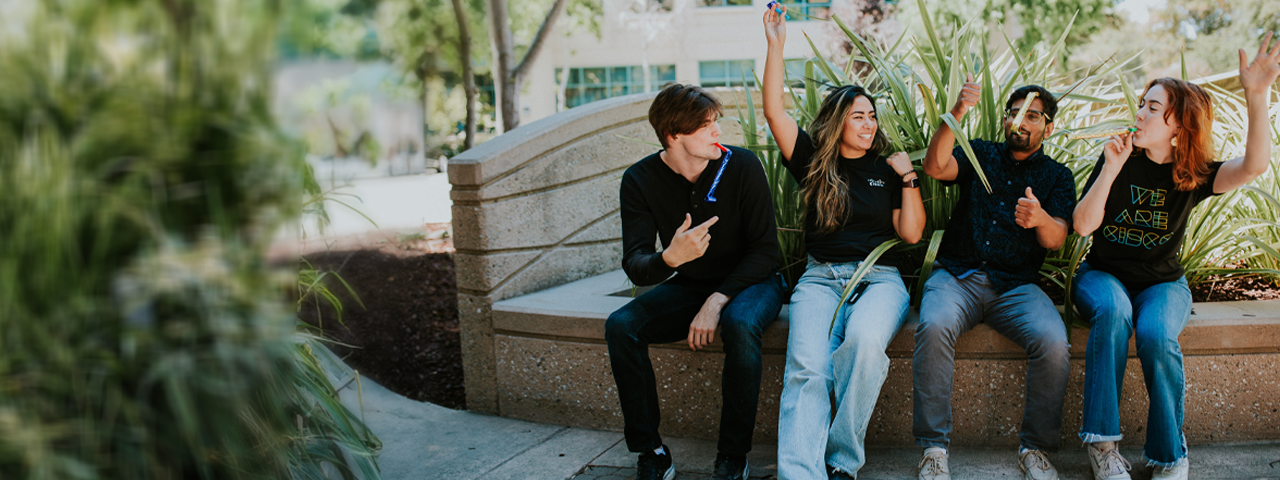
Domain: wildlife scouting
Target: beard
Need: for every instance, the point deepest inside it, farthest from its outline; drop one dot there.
(1022, 142)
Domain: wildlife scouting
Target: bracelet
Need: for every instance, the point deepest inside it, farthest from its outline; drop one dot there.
(909, 172)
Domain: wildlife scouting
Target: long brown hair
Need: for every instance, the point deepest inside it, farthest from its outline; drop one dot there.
(1193, 108)
(824, 190)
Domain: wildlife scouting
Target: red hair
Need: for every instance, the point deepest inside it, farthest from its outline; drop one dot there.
(1193, 108)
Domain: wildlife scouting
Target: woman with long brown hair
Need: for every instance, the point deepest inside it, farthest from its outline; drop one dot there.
(1138, 199)
(856, 199)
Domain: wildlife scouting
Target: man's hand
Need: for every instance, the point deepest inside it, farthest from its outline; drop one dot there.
(969, 95)
(688, 244)
(1029, 214)
(703, 329)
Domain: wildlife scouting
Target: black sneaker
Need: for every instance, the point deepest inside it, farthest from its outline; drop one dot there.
(655, 467)
(730, 468)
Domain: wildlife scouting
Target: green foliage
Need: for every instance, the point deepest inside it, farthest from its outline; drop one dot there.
(919, 81)
(1033, 21)
(141, 178)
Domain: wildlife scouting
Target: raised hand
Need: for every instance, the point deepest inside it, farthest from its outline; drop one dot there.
(775, 25)
(1116, 151)
(688, 244)
(1258, 76)
(901, 163)
(1028, 214)
(969, 96)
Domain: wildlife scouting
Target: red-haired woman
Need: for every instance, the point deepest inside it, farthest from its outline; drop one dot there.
(1137, 201)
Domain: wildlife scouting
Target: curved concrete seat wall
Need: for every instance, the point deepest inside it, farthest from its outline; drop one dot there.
(537, 208)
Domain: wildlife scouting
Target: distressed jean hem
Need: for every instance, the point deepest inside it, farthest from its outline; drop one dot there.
(1095, 438)
(1153, 463)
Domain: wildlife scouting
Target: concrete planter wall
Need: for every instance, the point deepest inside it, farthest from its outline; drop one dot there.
(538, 208)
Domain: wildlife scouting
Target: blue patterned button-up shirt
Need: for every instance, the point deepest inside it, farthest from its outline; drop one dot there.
(982, 233)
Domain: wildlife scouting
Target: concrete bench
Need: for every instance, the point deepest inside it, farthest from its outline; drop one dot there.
(553, 366)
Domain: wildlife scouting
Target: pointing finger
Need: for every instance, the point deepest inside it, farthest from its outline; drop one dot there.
(707, 224)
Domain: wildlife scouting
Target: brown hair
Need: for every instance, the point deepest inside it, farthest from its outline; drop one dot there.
(1193, 108)
(824, 190)
(681, 110)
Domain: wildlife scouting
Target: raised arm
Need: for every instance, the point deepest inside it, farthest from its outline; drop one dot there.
(908, 220)
(1256, 78)
(784, 127)
(938, 162)
(1091, 209)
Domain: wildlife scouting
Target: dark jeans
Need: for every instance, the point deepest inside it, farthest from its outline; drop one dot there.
(663, 315)
(952, 306)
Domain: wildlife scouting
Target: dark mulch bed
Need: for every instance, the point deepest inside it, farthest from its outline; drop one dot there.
(406, 336)
(1217, 288)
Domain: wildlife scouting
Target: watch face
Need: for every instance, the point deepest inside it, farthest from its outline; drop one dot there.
(913, 183)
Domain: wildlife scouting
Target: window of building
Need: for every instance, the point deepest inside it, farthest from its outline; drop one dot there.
(726, 73)
(723, 3)
(819, 8)
(587, 85)
(795, 73)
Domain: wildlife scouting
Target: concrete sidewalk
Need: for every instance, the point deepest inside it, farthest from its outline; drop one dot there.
(426, 441)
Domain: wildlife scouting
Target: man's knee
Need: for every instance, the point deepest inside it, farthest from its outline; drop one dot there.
(737, 330)
(620, 327)
(938, 323)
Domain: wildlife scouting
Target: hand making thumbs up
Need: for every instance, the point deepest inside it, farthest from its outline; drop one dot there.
(1029, 214)
(688, 244)
(969, 95)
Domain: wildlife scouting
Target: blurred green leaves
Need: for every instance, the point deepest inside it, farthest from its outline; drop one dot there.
(142, 176)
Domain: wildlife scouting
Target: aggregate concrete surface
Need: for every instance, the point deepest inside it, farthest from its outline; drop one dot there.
(426, 441)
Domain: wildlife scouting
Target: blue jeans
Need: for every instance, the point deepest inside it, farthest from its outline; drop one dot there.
(848, 364)
(952, 306)
(1154, 316)
(663, 315)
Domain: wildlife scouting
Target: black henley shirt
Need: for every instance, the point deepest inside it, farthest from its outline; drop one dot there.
(744, 241)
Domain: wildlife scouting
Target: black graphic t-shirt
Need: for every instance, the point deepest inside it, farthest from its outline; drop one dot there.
(1144, 221)
(875, 190)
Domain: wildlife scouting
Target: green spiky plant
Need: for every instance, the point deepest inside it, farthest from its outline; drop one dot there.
(141, 179)
(917, 83)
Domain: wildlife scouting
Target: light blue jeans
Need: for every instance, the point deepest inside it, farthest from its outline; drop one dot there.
(1154, 317)
(847, 365)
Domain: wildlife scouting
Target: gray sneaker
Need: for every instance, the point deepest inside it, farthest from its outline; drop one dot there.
(1108, 464)
(1176, 472)
(933, 466)
(1035, 466)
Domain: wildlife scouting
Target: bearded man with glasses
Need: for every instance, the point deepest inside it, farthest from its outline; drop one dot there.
(986, 271)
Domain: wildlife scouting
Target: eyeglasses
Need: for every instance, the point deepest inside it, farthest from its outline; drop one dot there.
(1033, 116)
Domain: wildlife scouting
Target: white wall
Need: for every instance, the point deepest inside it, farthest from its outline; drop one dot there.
(697, 34)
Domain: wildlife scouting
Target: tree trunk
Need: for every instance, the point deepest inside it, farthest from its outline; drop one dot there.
(425, 95)
(468, 76)
(510, 77)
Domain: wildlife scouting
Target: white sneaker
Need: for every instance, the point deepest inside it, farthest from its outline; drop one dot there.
(1176, 472)
(933, 466)
(1108, 464)
(1035, 466)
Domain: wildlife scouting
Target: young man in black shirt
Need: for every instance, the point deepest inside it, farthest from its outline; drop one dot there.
(987, 269)
(684, 194)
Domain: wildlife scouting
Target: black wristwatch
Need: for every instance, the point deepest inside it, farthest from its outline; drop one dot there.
(913, 183)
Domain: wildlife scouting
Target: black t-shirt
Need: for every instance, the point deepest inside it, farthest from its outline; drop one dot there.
(875, 190)
(1144, 221)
